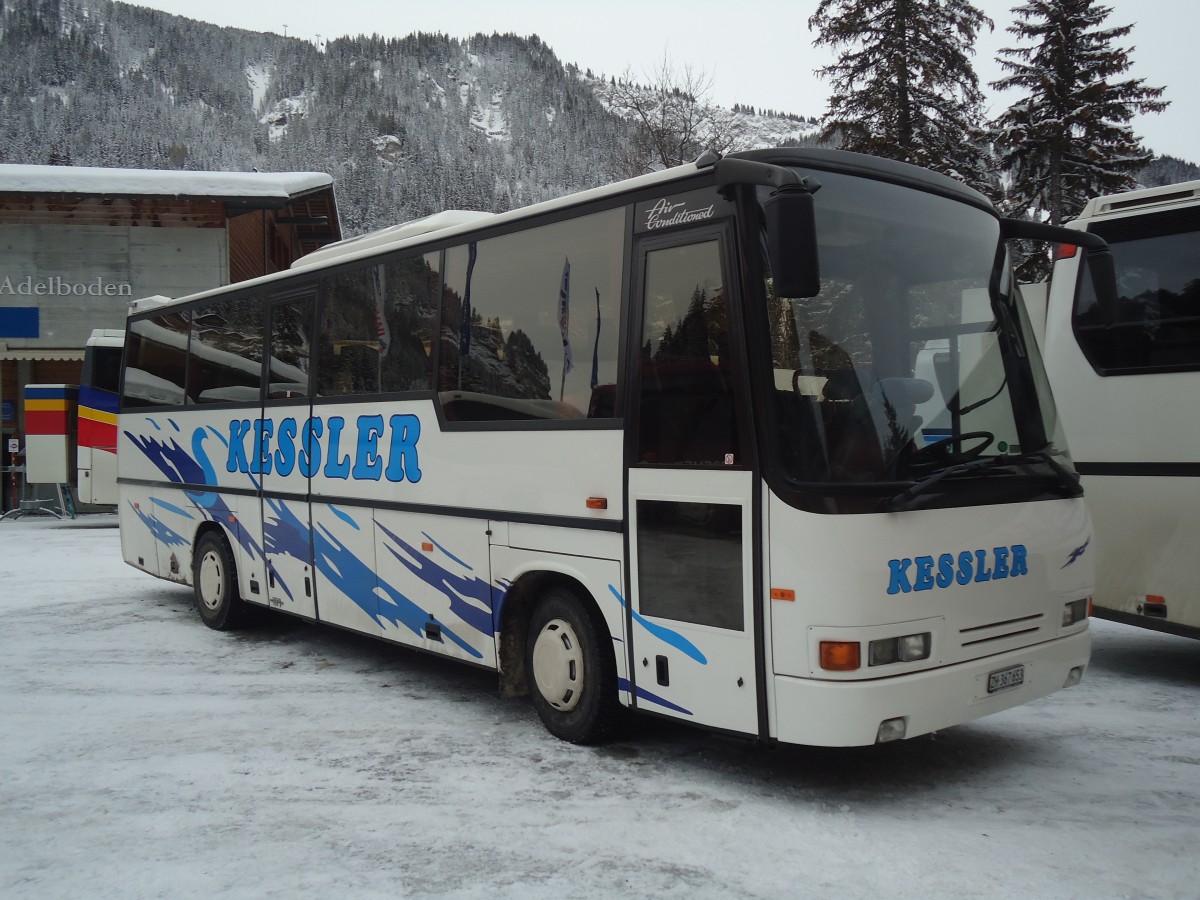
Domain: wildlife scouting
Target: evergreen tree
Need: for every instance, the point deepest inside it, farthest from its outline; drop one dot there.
(903, 86)
(1068, 139)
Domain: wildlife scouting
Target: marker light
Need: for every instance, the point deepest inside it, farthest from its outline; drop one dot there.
(1075, 611)
(908, 648)
(840, 656)
(1064, 251)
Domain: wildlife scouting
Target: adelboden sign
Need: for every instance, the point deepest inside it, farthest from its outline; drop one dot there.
(62, 286)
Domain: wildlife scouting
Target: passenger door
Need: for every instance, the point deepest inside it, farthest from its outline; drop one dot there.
(691, 486)
(286, 530)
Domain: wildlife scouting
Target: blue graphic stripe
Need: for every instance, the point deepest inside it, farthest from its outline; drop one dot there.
(345, 517)
(643, 694)
(171, 507)
(447, 552)
(158, 529)
(666, 635)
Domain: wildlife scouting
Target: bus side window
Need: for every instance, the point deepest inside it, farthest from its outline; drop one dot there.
(349, 334)
(156, 353)
(687, 407)
(530, 323)
(1157, 320)
(288, 366)
(225, 354)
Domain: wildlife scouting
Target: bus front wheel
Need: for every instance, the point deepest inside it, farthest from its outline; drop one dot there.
(572, 674)
(215, 582)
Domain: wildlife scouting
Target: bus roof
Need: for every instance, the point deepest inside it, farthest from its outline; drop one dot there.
(106, 337)
(452, 223)
(1183, 193)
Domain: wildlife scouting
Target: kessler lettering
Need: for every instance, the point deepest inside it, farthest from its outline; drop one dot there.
(665, 214)
(924, 573)
(380, 451)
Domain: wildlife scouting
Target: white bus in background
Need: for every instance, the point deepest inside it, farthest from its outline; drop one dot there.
(654, 446)
(96, 467)
(1126, 376)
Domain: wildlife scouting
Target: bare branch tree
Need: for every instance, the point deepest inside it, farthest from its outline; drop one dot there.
(672, 119)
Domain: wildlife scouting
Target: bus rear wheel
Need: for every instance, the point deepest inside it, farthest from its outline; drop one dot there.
(572, 673)
(214, 578)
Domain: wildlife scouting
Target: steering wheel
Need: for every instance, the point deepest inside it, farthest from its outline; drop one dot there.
(942, 451)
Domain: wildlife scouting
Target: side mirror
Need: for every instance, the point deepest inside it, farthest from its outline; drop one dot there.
(792, 241)
(1101, 266)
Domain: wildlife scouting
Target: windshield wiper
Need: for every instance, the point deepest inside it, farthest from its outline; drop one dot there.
(910, 493)
(1064, 477)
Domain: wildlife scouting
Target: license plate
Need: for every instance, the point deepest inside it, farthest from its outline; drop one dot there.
(1013, 676)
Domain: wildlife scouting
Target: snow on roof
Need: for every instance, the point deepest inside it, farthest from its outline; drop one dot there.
(24, 179)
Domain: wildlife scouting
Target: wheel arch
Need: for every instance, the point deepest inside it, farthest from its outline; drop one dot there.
(520, 601)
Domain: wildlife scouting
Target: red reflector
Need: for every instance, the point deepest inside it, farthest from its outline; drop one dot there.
(427, 547)
(597, 503)
(1065, 251)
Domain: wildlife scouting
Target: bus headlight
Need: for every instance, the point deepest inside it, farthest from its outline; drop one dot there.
(908, 648)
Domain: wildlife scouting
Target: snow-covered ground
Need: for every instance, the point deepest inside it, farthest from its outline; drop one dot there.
(143, 755)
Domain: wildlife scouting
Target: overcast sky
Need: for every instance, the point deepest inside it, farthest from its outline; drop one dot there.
(758, 53)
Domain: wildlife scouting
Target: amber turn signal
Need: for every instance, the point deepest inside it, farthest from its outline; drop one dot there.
(840, 656)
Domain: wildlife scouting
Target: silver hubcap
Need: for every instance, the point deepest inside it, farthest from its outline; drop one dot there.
(212, 580)
(558, 665)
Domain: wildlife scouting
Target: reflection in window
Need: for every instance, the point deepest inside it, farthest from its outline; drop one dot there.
(156, 358)
(410, 298)
(530, 322)
(225, 361)
(352, 335)
(1156, 323)
(291, 348)
(377, 328)
(690, 562)
(687, 407)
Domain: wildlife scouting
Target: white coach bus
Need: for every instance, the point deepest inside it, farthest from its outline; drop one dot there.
(653, 446)
(1127, 378)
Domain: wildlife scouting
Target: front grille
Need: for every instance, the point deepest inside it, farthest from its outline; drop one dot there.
(1000, 631)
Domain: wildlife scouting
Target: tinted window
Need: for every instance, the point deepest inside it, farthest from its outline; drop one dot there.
(291, 347)
(687, 405)
(530, 322)
(102, 368)
(225, 362)
(156, 356)
(1155, 325)
(377, 328)
(353, 338)
(410, 289)
(690, 562)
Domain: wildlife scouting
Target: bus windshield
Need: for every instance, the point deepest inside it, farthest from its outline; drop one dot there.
(912, 359)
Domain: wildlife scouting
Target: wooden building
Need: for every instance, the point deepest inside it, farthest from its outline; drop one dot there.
(77, 244)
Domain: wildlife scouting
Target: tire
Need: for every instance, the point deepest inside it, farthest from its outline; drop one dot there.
(571, 669)
(214, 578)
